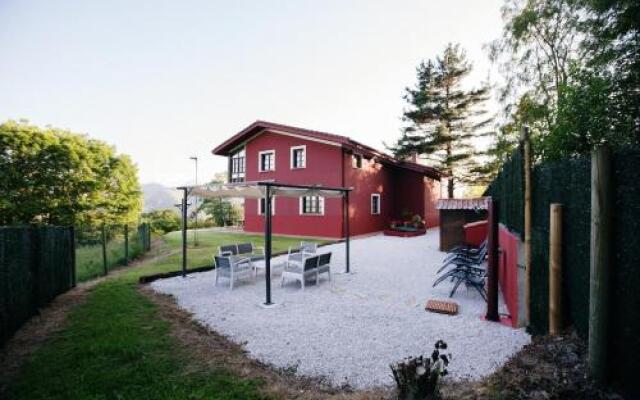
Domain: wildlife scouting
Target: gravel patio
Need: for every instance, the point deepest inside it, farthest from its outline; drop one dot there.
(348, 330)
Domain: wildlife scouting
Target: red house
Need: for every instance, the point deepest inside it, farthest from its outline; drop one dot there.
(384, 188)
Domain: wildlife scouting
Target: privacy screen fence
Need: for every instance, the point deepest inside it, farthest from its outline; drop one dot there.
(37, 263)
(569, 182)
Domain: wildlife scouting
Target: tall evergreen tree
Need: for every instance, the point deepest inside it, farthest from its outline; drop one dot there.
(443, 118)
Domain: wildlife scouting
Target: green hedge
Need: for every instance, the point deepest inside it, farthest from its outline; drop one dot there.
(36, 264)
(569, 182)
(508, 189)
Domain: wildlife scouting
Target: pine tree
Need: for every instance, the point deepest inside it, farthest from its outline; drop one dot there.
(443, 117)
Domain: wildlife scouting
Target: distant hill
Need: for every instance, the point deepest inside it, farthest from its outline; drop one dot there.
(157, 197)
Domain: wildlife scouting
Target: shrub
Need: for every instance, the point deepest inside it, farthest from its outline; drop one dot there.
(163, 221)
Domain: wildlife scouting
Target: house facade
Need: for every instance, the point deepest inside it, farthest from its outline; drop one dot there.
(384, 188)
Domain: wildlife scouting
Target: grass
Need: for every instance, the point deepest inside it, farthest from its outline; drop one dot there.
(208, 242)
(115, 347)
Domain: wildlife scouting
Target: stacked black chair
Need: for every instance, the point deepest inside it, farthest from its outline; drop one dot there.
(466, 266)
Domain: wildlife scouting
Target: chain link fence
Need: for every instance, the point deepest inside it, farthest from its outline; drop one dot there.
(101, 249)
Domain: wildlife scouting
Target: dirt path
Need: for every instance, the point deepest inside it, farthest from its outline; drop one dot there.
(212, 349)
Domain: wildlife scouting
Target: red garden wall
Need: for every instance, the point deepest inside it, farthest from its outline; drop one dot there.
(475, 233)
(508, 273)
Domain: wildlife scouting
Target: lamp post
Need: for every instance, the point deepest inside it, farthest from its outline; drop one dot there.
(195, 201)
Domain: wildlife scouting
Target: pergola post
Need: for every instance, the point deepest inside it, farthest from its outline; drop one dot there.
(346, 230)
(267, 244)
(184, 232)
(493, 257)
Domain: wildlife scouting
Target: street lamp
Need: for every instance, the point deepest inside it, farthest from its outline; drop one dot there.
(195, 200)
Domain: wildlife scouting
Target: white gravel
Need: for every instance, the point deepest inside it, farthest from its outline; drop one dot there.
(350, 329)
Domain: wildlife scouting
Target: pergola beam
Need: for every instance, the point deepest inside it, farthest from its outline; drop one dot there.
(269, 190)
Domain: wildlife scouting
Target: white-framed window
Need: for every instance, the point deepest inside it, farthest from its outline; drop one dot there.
(262, 206)
(237, 163)
(298, 157)
(312, 205)
(375, 203)
(356, 160)
(267, 161)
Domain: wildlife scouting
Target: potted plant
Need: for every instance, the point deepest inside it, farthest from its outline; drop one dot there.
(417, 222)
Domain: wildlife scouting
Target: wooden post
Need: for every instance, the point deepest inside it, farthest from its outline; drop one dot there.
(555, 268)
(104, 249)
(602, 203)
(492, 273)
(526, 144)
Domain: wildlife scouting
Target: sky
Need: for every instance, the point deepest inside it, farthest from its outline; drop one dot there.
(164, 81)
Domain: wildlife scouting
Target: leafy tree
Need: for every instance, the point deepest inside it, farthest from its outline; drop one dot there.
(58, 177)
(573, 73)
(612, 45)
(163, 221)
(443, 117)
(222, 211)
(539, 45)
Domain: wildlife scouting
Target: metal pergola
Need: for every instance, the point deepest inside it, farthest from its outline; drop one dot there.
(265, 190)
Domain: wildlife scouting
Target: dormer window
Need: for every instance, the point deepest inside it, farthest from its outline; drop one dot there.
(298, 157)
(267, 161)
(356, 160)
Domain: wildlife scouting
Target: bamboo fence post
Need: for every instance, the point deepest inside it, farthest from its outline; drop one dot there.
(602, 203)
(526, 144)
(555, 268)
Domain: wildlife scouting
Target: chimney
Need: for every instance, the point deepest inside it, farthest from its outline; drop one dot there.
(412, 157)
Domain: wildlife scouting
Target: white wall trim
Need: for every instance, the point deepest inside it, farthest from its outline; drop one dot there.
(311, 139)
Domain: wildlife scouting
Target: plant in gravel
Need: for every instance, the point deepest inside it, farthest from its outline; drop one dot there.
(417, 378)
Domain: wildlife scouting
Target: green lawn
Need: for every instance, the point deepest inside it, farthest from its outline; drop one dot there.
(208, 242)
(115, 347)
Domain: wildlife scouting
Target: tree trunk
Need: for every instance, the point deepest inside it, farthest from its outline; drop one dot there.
(450, 187)
(415, 379)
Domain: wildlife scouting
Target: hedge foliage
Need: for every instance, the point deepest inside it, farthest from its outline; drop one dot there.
(569, 182)
(36, 264)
